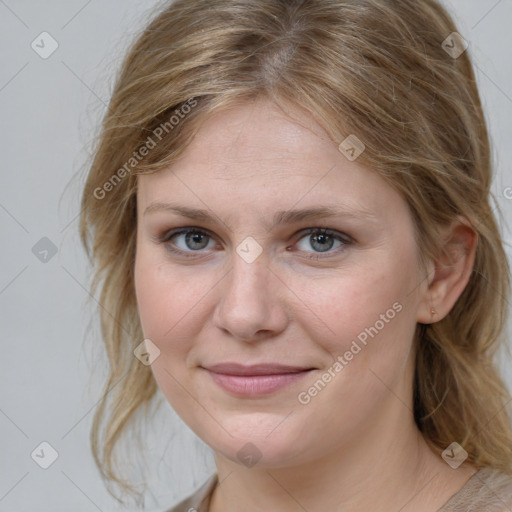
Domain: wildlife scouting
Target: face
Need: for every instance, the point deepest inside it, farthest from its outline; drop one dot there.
(274, 328)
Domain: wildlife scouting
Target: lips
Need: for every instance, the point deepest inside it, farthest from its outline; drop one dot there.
(255, 380)
(256, 369)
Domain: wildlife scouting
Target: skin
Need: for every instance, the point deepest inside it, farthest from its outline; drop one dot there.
(355, 445)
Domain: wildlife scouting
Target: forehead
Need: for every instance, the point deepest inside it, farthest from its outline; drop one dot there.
(258, 139)
(256, 157)
(257, 131)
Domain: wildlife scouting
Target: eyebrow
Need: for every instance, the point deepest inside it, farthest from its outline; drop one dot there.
(281, 217)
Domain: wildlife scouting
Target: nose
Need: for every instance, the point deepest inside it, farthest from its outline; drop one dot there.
(251, 305)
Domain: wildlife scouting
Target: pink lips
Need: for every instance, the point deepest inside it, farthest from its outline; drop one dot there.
(260, 379)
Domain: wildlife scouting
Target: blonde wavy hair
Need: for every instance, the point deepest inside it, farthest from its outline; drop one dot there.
(373, 68)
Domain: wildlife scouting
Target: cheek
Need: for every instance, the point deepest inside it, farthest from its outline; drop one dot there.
(162, 303)
(170, 304)
(367, 313)
(160, 297)
(368, 322)
(151, 297)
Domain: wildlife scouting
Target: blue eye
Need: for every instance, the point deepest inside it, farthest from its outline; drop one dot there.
(323, 240)
(194, 240)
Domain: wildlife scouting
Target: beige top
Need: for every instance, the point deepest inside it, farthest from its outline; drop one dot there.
(486, 491)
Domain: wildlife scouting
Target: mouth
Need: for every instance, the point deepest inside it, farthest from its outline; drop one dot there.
(255, 380)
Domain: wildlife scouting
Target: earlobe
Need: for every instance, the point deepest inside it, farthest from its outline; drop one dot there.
(452, 271)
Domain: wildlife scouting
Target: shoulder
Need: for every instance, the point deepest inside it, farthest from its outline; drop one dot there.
(487, 490)
(199, 500)
(496, 486)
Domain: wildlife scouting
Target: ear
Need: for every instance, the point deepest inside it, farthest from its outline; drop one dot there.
(451, 271)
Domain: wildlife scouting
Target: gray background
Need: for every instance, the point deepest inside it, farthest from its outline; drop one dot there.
(51, 365)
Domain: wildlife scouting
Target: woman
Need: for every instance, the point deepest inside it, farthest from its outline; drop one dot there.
(289, 211)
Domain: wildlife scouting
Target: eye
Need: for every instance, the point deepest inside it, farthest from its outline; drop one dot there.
(323, 240)
(192, 240)
(188, 240)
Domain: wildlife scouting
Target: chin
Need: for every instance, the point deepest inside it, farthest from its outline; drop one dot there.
(257, 439)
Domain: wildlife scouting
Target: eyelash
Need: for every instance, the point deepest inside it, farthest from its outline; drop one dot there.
(166, 237)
